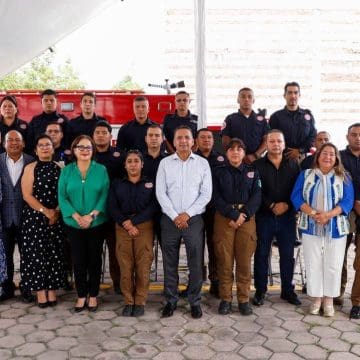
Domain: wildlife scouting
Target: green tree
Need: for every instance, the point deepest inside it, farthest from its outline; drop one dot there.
(127, 83)
(41, 74)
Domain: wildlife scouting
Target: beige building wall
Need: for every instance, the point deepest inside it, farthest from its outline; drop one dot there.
(265, 48)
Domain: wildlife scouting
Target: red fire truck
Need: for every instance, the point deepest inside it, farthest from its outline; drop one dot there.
(115, 105)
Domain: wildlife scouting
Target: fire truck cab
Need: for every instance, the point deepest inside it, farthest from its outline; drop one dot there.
(115, 105)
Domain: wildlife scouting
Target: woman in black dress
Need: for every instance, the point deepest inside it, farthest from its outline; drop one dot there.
(42, 261)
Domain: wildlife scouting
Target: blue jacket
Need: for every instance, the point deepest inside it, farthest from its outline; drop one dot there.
(346, 202)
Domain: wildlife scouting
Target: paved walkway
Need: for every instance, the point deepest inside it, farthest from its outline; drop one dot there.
(276, 331)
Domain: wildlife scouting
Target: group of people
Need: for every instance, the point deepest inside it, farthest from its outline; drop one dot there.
(66, 190)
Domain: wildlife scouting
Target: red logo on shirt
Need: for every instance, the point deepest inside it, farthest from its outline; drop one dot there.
(23, 126)
(60, 120)
(149, 185)
(116, 154)
(250, 174)
(307, 117)
(260, 118)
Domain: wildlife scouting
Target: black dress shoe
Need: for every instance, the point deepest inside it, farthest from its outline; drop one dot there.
(224, 307)
(138, 310)
(245, 309)
(339, 300)
(214, 288)
(291, 298)
(355, 312)
(168, 310)
(196, 312)
(92, 308)
(78, 309)
(28, 297)
(127, 310)
(259, 298)
(52, 303)
(42, 305)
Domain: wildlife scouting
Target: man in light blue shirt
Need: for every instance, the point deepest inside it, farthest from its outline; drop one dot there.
(183, 188)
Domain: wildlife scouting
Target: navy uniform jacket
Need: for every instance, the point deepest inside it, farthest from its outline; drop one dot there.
(276, 184)
(234, 186)
(298, 127)
(129, 201)
(113, 160)
(215, 159)
(307, 163)
(80, 126)
(172, 121)
(61, 155)
(19, 125)
(38, 126)
(151, 164)
(251, 130)
(352, 165)
(131, 136)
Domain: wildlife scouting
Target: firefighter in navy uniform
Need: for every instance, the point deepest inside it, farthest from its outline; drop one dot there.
(297, 125)
(114, 163)
(154, 153)
(237, 197)
(246, 125)
(55, 131)
(85, 123)
(132, 206)
(131, 135)
(106, 154)
(205, 144)
(8, 118)
(39, 122)
(182, 116)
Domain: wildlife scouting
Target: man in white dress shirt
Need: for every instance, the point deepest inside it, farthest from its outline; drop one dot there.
(183, 188)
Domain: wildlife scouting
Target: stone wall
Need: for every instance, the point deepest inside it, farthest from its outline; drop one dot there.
(265, 48)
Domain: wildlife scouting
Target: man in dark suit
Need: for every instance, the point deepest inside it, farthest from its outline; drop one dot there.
(12, 164)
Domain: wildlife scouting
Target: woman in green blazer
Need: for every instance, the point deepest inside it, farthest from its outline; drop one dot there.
(83, 191)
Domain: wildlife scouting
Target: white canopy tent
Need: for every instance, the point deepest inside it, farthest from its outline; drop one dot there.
(28, 28)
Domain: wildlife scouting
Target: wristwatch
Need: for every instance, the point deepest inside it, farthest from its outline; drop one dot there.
(93, 215)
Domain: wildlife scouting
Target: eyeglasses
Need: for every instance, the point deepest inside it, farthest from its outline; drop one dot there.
(44, 146)
(53, 131)
(182, 100)
(83, 148)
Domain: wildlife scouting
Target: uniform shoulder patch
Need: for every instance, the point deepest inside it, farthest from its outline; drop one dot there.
(250, 174)
(220, 158)
(60, 120)
(116, 154)
(259, 118)
(23, 126)
(149, 185)
(307, 117)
